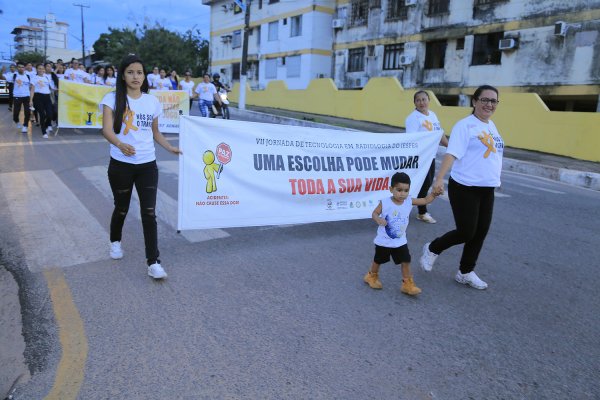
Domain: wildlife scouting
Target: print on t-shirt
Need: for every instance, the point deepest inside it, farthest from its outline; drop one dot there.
(132, 120)
(395, 225)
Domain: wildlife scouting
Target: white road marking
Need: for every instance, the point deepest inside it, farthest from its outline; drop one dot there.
(166, 206)
(53, 141)
(537, 188)
(55, 228)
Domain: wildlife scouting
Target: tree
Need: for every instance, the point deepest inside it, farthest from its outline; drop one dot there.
(34, 57)
(112, 47)
(157, 46)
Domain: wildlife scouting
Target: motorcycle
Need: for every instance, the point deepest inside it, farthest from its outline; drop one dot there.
(218, 110)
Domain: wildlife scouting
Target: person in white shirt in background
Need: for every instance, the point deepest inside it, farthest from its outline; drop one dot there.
(207, 94)
(42, 86)
(75, 74)
(31, 73)
(110, 79)
(153, 77)
(474, 155)
(9, 76)
(22, 94)
(99, 77)
(163, 83)
(53, 95)
(188, 84)
(422, 119)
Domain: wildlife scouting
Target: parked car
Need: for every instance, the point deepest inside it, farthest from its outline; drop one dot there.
(4, 66)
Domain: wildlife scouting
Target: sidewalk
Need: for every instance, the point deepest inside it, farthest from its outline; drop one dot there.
(563, 169)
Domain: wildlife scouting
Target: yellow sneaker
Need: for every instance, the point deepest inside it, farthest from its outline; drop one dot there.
(409, 287)
(373, 280)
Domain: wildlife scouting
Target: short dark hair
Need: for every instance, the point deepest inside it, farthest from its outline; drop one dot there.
(400, 177)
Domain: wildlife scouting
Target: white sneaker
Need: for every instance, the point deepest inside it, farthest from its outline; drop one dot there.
(116, 252)
(49, 129)
(470, 279)
(45, 136)
(426, 218)
(156, 271)
(428, 258)
(24, 129)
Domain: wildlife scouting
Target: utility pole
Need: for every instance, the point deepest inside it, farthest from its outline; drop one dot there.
(81, 6)
(244, 66)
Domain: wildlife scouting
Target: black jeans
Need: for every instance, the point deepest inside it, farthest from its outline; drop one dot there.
(17, 101)
(122, 177)
(472, 207)
(10, 94)
(43, 105)
(426, 185)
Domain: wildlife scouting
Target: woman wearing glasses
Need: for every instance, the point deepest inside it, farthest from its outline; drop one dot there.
(474, 153)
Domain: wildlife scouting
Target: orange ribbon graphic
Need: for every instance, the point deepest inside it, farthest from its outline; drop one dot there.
(428, 125)
(128, 121)
(488, 141)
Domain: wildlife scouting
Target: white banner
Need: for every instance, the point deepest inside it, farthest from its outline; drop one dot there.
(235, 173)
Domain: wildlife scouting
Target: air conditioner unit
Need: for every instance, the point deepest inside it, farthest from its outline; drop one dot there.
(507, 44)
(337, 23)
(560, 28)
(406, 60)
(410, 2)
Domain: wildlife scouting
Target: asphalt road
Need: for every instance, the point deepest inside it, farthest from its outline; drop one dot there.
(281, 312)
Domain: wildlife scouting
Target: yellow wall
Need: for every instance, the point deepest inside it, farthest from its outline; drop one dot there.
(523, 119)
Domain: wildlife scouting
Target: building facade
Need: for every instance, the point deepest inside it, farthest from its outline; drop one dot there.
(46, 36)
(549, 47)
(288, 40)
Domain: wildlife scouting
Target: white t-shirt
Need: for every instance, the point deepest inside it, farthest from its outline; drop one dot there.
(206, 91)
(397, 217)
(60, 76)
(163, 84)
(9, 76)
(188, 87)
(419, 122)
(478, 148)
(76, 75)
(42, 84)
(98, 80)
(110, 81)
(136, 129)
(152, 78)
(31, 73)
(22, 84)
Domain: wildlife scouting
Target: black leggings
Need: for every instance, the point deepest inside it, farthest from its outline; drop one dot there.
(43, 105)
(472, 207)
(426, 185)
(17, 101)
(122, 176)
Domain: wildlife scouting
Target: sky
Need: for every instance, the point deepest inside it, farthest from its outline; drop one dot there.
(175, 15)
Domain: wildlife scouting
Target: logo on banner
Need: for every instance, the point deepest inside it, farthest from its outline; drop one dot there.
(89, 120)
(212, 170)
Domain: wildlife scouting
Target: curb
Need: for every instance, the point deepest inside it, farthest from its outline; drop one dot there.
(588, 180)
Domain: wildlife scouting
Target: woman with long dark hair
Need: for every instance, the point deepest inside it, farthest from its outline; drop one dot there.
(42, 88)
(474, 153)
(130, 124)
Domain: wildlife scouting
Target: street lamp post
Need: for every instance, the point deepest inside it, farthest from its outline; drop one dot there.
(81, 7)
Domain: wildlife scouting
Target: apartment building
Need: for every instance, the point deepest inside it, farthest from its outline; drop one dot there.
(288, 40)
(47, 36)
(549, 47)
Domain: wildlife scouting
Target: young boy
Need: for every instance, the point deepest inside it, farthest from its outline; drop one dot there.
(391, 214)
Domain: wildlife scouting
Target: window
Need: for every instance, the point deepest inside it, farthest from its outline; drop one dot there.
(356, 60)
(296, 28)
(273, 31)
(438, 7)
(271, 68)
(235, 71)
(293, 66)
(260, 4)
(391, 55)
(435, 54)
(485, 49)
(396, 10)
(236, 41)
(460, 44)
(359, 13)
(273, 1)
(484, 2)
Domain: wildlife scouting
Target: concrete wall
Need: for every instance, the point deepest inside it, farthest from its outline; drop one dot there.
(522, 118)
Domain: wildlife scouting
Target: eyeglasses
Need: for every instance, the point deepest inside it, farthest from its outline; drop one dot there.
(486, 101)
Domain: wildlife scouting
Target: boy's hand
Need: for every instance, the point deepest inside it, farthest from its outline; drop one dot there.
(380, 221)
